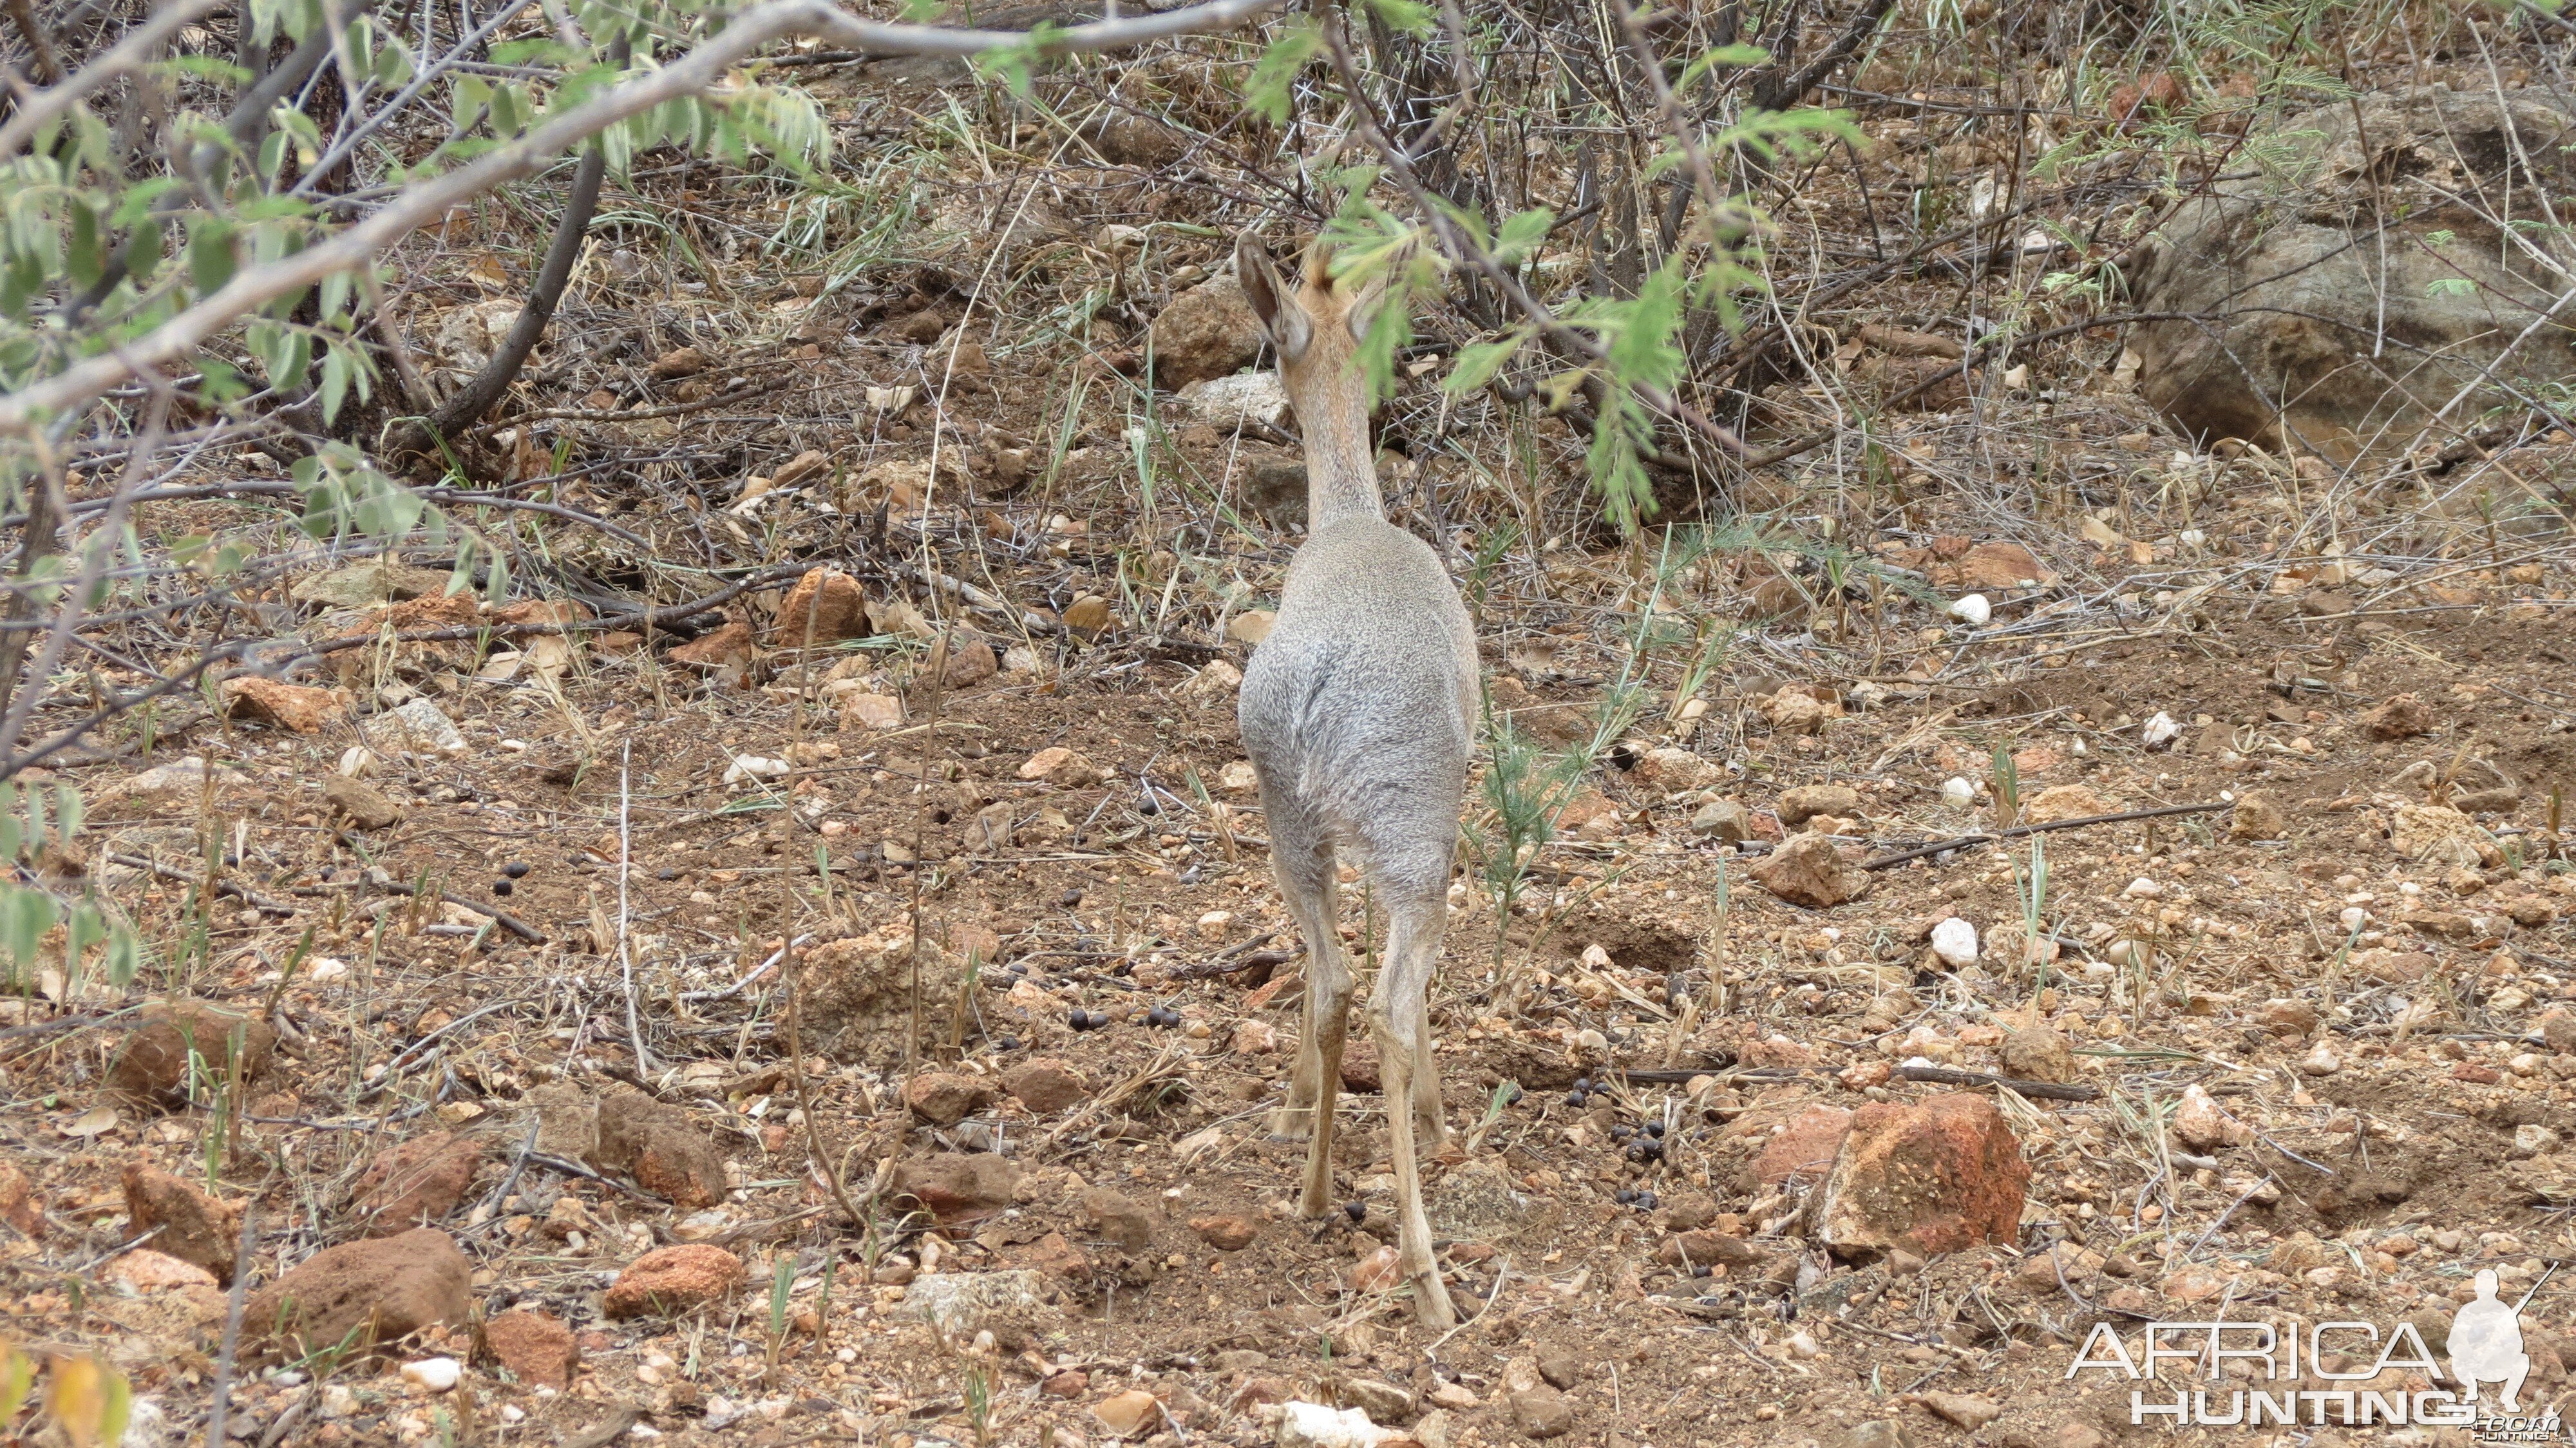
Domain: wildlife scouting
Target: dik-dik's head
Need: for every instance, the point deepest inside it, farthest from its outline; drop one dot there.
(1316, 326)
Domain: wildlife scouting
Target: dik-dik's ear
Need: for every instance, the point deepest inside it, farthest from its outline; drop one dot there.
(1362, 312)
(1274, 302)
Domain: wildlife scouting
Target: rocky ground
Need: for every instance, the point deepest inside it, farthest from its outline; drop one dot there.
(2304, 1057)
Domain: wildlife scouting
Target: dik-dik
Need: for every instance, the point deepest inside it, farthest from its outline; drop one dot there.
(1358, 712)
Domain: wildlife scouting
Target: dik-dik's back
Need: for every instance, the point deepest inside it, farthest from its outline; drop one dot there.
(1361, 702)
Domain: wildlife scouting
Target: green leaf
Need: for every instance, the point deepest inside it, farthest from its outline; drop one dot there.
(1267, 93)
(84, 256)
(335, 383)
(1522, 233)
(1477, 362)
(211, 258)
(471, 98)
(143, 249)
(1405, 17)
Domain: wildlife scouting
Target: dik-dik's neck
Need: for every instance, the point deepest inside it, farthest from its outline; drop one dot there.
(1341, 469)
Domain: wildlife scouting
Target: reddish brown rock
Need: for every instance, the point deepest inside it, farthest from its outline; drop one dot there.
(826, 606)
(535, 1346)
(673, 1280)
(1706, 1249)
(971, 661)
(2037, 1053)
(365, 1293)
(1542, 1412)
(1119, 1218)
(418, 1182)
(155, 1064)
(185, 1223)
(1047, 1086)
(1226, 1231)
(2402, 717)
(1055, 1255)
(729, 646)
(366, 806)
(944, 1098)
(1807, 870)
(1361, 1071)
(1806, 801)
(661, 1148)
(957, 1186)
(299, 708)
(1940, 1176)
(1803, 1152)
(20, 1207)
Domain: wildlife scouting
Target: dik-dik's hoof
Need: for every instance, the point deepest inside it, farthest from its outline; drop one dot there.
(1292, 1123)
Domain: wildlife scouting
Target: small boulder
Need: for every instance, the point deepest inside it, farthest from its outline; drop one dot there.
(961, 1304)
(673, 1280)
(1119, 1219)
(1226, 1231)
(1675, 770)
(536, 1347)
(366, 1293)
(957, 1187)
(1542, 1412)
(871, 712)
(2402, 717)
(2063, 802)
(184, 1222)
(2200, 1124)
(567, 1122)
(1966, 1410)
(944, 1098)
(298, 708)
(156, 1061)
(1802, 1152)
(1807, 870)
(826, 606)
(361, 803)
(2037, 1053)
(1207, 331)
(1938, 1176)
(724, 648)
(1129, 1413)
(417, 727)
(1685, 1250)
(1063, 767)
(661, 1148)
(2257, 816)
(971, 661)
(1046, 1085)
(1726, 821)
(20, 1206)
(1806, 801)
(418, 1182)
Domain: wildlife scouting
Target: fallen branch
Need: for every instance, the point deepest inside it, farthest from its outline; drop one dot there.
(1941, 847)
(1945, 1076)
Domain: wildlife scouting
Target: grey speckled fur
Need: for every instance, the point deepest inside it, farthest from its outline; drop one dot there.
(1358, 712)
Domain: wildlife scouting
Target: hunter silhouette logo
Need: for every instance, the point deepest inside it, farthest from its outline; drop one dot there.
(2486, 1343)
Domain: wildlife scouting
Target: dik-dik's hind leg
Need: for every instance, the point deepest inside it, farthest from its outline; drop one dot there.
(1398, 1017)
(1303, 864)
(1430, 1124)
